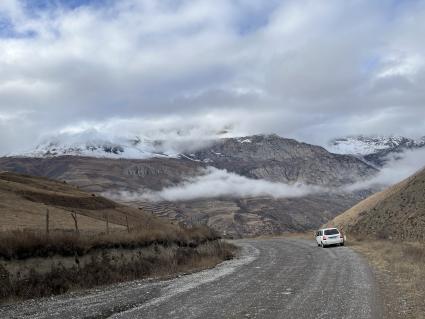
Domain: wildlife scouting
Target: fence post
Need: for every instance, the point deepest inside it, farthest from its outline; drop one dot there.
(47, 222)
(74, 216)
(128, 226)
(107, 223)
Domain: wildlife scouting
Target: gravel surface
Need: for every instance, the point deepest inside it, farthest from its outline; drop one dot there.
(274, 278)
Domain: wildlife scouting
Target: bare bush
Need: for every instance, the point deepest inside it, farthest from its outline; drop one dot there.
(156, 260)
(27, 244)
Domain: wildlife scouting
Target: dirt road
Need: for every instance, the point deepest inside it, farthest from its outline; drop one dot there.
(274, 278)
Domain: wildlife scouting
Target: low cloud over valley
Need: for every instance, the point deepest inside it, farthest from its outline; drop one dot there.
(214, 183)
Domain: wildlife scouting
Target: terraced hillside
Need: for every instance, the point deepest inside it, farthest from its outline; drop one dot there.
(236, 217)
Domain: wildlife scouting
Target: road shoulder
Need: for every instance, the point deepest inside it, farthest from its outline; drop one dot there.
(400, 274)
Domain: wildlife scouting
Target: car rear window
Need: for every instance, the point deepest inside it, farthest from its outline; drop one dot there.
(331, 232)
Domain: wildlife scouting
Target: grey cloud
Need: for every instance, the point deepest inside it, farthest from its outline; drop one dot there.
(304, 70)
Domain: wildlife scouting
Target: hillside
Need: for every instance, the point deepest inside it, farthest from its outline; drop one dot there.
(254, 216)
(397, 212)
(260, 157)
(231, 216)
(36, 263)
(24, 201)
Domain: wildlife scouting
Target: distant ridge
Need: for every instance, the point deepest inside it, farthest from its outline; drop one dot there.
(375, 149)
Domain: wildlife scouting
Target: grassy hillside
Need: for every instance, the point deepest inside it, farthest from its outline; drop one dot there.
(395, 213)
(25, 200)
(35, 262)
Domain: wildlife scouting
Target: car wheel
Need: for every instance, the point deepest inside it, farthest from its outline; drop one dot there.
(323, 245)
(342, 244)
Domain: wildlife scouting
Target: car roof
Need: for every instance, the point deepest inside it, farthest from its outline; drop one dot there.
(328, 228)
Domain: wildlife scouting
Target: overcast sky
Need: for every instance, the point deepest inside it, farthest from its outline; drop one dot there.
(312, 70)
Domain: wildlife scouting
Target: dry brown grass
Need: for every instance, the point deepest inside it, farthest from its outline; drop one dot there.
(88, 259)
(106, 268)
(95, 254)
(401, 274)
(29, 244)
(397, 212)
(24, 201)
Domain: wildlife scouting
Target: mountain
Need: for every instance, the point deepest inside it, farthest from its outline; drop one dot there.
(374, 149)
(24, 201)
(268, 157)
(396, 213)
(260, 157)
(278, 159)
(98, 147)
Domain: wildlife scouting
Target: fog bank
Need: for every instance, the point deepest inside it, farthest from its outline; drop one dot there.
(213, 183)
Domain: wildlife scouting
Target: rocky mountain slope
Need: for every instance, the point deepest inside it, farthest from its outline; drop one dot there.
(375, 149)
(268, 157)
(395, 213)
(273, 158)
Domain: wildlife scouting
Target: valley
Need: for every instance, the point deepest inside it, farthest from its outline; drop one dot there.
(193, 159)
(267, 158)
(125, 211)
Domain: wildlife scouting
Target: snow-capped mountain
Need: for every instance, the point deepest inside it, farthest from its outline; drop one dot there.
(97, 145)
(132, 149)
(119, 147)
(365, 145)
(369, 148)
(375, 149)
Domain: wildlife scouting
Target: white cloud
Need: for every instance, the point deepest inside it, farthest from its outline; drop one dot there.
(297, 68)
(399, 167)
(213, 183)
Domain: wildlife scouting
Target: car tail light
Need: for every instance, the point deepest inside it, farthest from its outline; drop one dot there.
(324, 237)
(341, 236)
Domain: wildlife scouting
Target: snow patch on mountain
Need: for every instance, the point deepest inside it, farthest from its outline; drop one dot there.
(92, 143)
(366, 145)
(131, 149)
(132, 138)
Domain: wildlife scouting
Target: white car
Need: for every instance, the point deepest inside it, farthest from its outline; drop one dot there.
(329, 236)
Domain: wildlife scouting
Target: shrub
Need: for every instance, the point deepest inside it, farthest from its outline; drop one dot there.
(103, 269)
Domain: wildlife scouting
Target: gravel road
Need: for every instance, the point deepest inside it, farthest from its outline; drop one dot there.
(273, 278)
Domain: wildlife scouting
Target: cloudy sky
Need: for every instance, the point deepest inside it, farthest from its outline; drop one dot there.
(312, 70)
